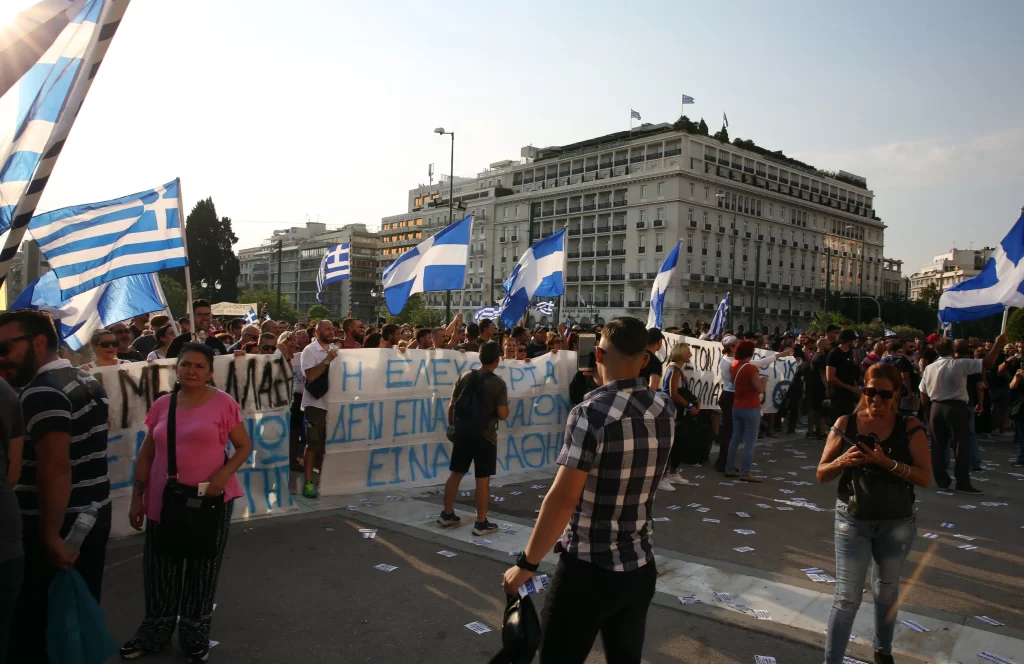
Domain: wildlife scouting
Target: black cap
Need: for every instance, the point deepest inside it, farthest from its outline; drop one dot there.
(846, 336)
(831, 328)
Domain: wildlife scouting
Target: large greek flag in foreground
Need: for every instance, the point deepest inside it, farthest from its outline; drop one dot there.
(78, 317)
(661, 284)
(537, 274)
(1000, 284)
(88, 245)
(436, 264)
(49, 55)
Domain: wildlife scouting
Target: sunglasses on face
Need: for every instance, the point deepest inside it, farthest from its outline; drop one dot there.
(884, 395)
(107, 344)
(249, 336)
(268, 349)
(5, 346)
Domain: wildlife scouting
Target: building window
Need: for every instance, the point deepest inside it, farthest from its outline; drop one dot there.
(643, 191)
(661, 189)
(705, 217)
(517, 212)
(642, 242)
(689, 214)
(660, 213)
(706, 193)
(643, 216)
(691, 190)
(689, 241)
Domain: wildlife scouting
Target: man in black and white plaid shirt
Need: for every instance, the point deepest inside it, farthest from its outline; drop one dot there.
(617, 443)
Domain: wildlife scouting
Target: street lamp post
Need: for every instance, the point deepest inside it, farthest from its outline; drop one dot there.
(860, 289)
(451, 211)
(205, 285)
(732, 269)
(376, 294)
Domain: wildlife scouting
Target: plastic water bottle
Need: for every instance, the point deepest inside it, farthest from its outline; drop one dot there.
(83, 524)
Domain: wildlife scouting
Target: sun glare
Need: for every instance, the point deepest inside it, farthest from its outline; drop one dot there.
(10, 8)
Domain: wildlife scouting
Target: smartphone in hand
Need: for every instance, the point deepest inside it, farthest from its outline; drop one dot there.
(586, 356)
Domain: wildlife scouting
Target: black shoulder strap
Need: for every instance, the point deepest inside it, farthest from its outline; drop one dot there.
(172, 459)
(910, 432)
(851, 425)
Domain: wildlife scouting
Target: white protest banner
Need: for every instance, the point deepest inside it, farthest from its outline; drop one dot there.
(233, 308)
(385, 427)
(706, 383)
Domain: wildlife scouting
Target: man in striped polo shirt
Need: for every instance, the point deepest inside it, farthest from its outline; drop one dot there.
(64, 469)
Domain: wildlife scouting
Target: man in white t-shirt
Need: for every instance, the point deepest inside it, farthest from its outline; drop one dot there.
(316, 359)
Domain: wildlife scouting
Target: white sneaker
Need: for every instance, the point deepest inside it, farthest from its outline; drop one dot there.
(665, 485)
(676, 478)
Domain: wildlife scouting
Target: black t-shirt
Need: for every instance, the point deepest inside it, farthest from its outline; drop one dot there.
(814, 382)
(972, 389)
(654, 367)
(146, 344)
(846, 367)
(535, 350)
(131, 356)
(213, 342)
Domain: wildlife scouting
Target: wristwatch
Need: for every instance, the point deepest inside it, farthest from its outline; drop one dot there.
(523, 563)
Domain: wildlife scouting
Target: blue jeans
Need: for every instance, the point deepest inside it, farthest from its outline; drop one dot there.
(884, 546)
(745, 422)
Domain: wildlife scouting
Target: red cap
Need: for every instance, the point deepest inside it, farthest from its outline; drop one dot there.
(932, 338)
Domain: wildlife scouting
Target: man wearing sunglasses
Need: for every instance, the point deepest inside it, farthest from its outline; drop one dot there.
(250, 334)
(268, 344)
(123, 336)
(63, 474)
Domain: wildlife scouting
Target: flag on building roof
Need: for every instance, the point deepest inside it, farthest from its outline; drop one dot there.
(721, 316)
(486, 313)
(81, 315)
(88, 245)
(661, 284)
(544, 308)
(334, 267)
(251, 317)
(725, 120)
(634, 114)
(42, 96)
(537, 274)
(687, 99)
(436, 264)
(999, 285)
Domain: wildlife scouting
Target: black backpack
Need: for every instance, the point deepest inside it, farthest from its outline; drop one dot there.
(472, 414)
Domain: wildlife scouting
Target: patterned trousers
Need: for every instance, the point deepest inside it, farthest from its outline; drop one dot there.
(179, 591)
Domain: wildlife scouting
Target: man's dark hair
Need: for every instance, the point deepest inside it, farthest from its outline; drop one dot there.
(517, 331)
(267, 322)
(627, 335)
(895, 345)
(347, 324)
(33, 322)
(943, 347)
(388, 330)
(490, 351)
(267, 335)
(832, 328)
(485, 324)
(654, 335)
(200, 303)
(234, 322)
(422, 332)
(183, 320)
(472, 331)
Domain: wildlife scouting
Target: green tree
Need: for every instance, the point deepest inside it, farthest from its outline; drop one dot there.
(318, 311)
(268, 297)
(210, 255)
(702, 127)
(175, 294)
(1015, 326)
(722, 134)
(822, 319)
(416, 313)
(930, 295)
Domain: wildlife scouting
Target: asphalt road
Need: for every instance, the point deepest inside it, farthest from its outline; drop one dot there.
(304, 589)
(988, 580)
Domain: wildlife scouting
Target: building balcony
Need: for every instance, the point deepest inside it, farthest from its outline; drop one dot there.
(588, 231)
(587, 254)
(573, 210)
(709, 279)
(572, 231)
(652, 275)
(721, 229)
(577, 171)
(618, 252)
(673, 153)
(634, 160)
(658, 249)
(572, 303)
(707, 227)
(618, 277)
(604, 206)
(641, 250)
(619, 203)
(573, 254)
(606, 165)
(604, 229)
(634, 304)
(621, 162)
(600, 303)
(548, 213)
(572, 278)
(619, 228)
(587, 277)
(693, 224)
(653, 155)
(616, 303)
(658, 223)
(602, 253)
(636, 275)
(723, 280)
(588, 208)
(601, 277)
(641, 224)
(561, 212)
(514, 238)
(591, 168)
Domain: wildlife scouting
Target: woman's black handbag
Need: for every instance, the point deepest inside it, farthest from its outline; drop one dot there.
(188, 521)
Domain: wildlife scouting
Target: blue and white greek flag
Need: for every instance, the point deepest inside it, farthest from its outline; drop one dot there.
(436, 264)
(334, 267)
(486, 313)
(687, 99)
(49, 55)
(887, 333)
(718, 322)
(88, 245)
(251, 317)
(544, 308)
(661, 284)
(78, 317)
(634, 114)
(725, 120)
(537, 274)
(999, 285)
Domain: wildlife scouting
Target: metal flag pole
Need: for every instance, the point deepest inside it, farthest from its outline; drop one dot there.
(188, 276)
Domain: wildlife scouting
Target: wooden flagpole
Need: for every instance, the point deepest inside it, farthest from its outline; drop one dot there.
(188, 276)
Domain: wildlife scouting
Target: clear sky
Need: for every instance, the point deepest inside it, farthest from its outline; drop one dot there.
(325, 108)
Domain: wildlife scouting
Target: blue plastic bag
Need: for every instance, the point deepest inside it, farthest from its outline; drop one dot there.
(75, 631)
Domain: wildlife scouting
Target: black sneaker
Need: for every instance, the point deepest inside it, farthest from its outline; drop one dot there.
(882, 658)
(200, 654)
(484, 528)
(969, 490)
(1018, 464)
(133, 650)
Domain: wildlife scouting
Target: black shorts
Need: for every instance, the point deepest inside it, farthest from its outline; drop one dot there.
(479, 451)
(296, 417)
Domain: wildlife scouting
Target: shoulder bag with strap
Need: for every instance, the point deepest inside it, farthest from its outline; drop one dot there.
(468, 420)
(318, 386)
(874, 493)
(188, 521)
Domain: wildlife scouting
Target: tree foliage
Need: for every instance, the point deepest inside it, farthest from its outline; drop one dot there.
(822, 319)
(416, 313)
(686, 124)
(722, 135)
(930, 295)
(175, 294)
(210, 255)
(1015, 326)
(702, 127)
(268, 296)
(318, 311)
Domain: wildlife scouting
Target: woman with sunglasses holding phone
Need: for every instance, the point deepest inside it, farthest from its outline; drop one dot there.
(104, 351)
(879, 456)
